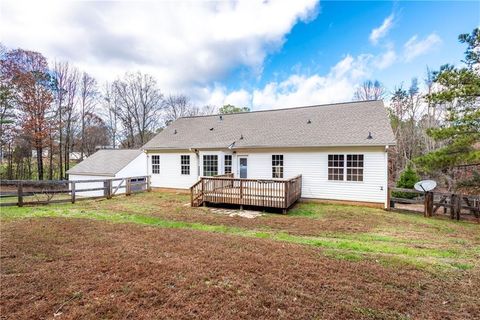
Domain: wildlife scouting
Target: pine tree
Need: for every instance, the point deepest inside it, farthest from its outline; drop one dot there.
(460, 92)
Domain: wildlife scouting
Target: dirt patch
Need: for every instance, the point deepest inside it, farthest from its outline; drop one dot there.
(91, 269)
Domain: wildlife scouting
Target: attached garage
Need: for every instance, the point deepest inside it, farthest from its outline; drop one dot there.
(108, 164)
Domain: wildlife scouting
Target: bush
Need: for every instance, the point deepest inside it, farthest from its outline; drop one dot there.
(407, 180)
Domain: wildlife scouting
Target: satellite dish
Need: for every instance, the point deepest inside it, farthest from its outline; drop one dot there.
(425, 185)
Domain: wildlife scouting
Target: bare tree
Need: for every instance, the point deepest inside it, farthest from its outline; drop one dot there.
(70, 118)
(88, 99)
(370, 90)
(110, 112)
(177, 106)
(95, 133)
(139, 105)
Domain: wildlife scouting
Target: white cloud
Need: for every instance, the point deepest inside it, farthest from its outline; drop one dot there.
(298, 90)
(238, 98)
(382, 31)
(415, 47)
(183, 44)
(386, 59)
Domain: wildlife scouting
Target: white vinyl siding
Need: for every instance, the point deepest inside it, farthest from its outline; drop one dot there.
(170, 171)
(313, 165)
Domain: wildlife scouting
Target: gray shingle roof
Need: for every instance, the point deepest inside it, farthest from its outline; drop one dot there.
(340, 124)
(105, 162)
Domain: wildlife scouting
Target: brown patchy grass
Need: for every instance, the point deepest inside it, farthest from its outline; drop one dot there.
(84, 268)
(98, 270)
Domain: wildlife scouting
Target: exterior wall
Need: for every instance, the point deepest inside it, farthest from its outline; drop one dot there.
(170, 170)
(313, 165)
(136, 167)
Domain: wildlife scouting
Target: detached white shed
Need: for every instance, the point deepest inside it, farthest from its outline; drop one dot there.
(108, 164)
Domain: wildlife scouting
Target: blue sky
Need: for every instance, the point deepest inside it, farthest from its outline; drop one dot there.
(261, 54)
(343, 28)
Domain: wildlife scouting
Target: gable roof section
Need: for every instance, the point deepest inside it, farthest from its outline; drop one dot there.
(341, 124)
(105, 162)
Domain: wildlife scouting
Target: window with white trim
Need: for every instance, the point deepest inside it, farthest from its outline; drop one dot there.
(185, 164)
(210, 165)
(336, 163)
(277, 166)
(354, 167)
(155, 164)
(228, 164)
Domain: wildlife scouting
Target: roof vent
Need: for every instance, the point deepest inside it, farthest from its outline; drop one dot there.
(211, 129)
(309, 121)
(241, 137)
(175, 132)
(221, 117)
(369, 135)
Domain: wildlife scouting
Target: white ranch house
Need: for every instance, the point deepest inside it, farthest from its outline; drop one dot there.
(340, 150)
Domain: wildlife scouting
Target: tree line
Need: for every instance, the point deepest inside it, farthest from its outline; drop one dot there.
(56, 111)
(52, 113)
(437, 128)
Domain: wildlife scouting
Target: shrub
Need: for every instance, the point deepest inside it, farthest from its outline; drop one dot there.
(407, 180)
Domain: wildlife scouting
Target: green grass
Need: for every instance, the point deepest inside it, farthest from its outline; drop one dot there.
(390, 250)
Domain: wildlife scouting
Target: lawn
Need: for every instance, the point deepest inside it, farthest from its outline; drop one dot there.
(152, 256)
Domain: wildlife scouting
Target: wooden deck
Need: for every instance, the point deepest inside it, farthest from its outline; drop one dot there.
(272, 193)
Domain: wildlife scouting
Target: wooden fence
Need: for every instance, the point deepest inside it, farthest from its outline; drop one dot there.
(453, 204)
(33, 192)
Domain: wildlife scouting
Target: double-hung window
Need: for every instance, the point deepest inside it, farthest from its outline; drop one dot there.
(155, 164)
(354, 167)
(228, 164)
(277, 166)
(336, 167)
(210, 165)
(349, 170)
(185, 164)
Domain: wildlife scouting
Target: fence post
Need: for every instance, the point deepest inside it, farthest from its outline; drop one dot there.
(458, 206)
(128, 187)
(428, 204)
(107, 185)
(453, 205)
(20, 194)
(73, 191)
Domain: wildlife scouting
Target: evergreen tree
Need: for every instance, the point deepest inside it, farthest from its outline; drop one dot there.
(407, 180)
(459, 90)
